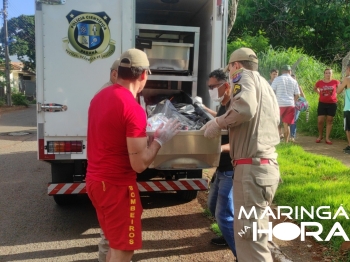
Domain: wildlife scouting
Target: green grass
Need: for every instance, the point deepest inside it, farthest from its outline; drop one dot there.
(313, 180)
(214, 226)
(207, 213)
(216, 229)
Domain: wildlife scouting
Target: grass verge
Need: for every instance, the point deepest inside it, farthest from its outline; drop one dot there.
(311, 180)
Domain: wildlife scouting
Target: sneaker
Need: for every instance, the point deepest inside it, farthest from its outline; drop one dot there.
(347, 151)
(219, 241)
(292, 139)
(347, 148)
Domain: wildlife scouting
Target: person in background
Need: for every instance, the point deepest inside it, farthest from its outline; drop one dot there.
(327, 105)
(273, 75)
(287, 92)
(345, 84)
(220, 198)
(117, 150)
(252, 120)
(293, 127)
(113, 75)
(103, 245)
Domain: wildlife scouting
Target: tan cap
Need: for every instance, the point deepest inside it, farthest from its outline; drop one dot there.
(115, 64)
(242, 54)
(136, 57)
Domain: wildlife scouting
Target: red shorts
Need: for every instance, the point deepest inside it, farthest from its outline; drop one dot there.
(119, 212)
(287, 114)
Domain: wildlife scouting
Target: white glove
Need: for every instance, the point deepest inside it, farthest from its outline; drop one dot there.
(197, 100)
(211, 129)
(166, 132)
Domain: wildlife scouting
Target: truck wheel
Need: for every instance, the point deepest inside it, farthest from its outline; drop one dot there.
(65, 200)
(187, 195)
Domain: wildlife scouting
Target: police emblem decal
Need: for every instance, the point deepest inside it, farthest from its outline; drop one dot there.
(236, 89)
(89, 36)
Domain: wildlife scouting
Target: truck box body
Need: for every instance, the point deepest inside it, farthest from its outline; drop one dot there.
(76, 45)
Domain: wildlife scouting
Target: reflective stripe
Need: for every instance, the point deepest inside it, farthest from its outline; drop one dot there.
(143, 186)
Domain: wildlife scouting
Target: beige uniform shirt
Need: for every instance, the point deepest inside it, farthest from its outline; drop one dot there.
(252, 118)
(109, 83)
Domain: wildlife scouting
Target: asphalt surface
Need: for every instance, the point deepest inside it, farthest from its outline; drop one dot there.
(34, 228)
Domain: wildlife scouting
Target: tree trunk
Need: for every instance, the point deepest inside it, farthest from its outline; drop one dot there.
(2, 93)
(232, 14)
(345, 62)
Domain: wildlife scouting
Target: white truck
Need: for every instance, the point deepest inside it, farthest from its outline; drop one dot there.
(77, 42)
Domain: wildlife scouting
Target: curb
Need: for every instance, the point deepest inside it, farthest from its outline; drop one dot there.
(5, 109)
(277, 254)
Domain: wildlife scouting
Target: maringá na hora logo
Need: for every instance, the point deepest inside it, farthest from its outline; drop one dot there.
(89, 37)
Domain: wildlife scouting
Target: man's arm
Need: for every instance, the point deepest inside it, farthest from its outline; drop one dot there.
(212, 112)
(140, 155)
(225, 148)
(296, 91)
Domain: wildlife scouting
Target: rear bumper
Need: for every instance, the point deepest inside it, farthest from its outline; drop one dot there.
(199, 184)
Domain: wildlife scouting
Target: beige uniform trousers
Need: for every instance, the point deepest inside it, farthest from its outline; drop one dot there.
(254, 186)
(103, 247)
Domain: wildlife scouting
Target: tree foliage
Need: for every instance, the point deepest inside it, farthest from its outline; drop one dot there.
(259, 43)
(22, 29)
(321, 28)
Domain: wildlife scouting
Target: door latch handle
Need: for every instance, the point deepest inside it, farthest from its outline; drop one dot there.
(51, 107)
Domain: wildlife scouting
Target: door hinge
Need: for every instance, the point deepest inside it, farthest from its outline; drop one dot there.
(51, 107)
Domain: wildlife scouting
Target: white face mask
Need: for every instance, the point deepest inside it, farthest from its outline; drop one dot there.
(214, 95)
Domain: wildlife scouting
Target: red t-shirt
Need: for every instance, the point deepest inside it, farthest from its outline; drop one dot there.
(328, 91)
(113, 116)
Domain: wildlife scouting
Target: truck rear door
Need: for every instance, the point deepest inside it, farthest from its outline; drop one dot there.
(76, 43)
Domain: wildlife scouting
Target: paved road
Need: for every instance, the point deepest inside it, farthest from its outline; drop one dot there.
(33, 228)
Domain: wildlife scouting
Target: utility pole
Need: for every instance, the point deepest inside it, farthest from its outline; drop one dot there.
(7, 59)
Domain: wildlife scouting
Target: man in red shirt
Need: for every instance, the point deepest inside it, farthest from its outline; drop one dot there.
(117, 149)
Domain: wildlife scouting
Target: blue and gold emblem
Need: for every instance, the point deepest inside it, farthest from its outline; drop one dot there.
(89, 36)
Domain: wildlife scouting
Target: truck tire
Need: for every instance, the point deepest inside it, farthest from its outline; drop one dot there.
(63, 173)
(192, 194)
(187, 195)
(65, 200)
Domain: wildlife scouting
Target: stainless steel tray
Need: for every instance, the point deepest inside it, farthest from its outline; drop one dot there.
(188, 150)
(169, 56)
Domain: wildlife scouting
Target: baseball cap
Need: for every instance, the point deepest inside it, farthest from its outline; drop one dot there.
(286, 68)
(242, 54)
(115, 64)
(136, 58)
